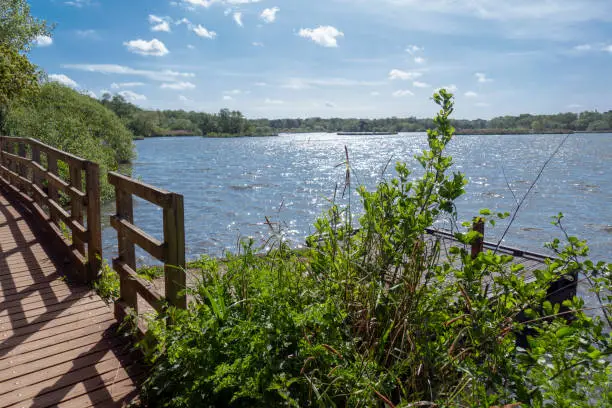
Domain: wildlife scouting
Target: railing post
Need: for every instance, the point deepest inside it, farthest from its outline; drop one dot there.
(174, 265)
(52, 191)
(478, 244)
(76, 206)
(2, 142)
(94, 220)
(127, 252)
(35, 159)
(22, 153)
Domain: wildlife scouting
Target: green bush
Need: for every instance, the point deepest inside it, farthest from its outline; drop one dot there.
(379, 318)
(75, 123)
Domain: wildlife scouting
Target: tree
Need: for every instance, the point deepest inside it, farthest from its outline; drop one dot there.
(18, 29)
(75, 123)
(18, 76)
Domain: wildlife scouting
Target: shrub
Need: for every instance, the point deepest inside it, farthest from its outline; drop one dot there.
(378, 317)
(75, 123)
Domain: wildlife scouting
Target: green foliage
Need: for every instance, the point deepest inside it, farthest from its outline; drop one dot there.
(18, 77)
(75, 123)
(151, 273)
(379, 317)
(18, 29)
(107, 283)
(172, 122)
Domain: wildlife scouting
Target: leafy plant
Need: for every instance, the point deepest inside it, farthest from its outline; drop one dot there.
(107, 283)
(379, 316)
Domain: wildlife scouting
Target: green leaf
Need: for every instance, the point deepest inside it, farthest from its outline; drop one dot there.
(563, 332)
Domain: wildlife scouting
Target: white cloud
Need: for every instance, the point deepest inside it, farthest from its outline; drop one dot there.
(183, 21)
(304, 83)
(132, 96)
(120, 85)
(160, 23)
(374, 93)
(482, 77)
(418, 84)
(153, 19)
(402, 92)
(583, 47)
(608, 48)
(269, 14)
(113, 69)
(404, 75)
(191, 47)
(227, 98)
(238, 18)
(325, 36)
(471, 94)
(419, 60)
(233, 92)
(78, 3)
(413, 49)
(203, 32)
(330, 104)
(163, 26)
(273, 101)
(450, 88)
(574, 106)
(43, 41)
(260, 84)
(64, 80)
(153, 48)
(208, 3)
(183, 98)
(257, 44)
(93, 34)
(91, 94)
(178, 86)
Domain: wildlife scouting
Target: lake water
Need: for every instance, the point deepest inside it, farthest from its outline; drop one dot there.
(231, 185)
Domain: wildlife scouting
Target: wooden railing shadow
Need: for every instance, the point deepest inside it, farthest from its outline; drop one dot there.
(14, 292)
(46, 326)
(99, 378)
(62, 191)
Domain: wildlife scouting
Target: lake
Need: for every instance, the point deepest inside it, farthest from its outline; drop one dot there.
(232, 185)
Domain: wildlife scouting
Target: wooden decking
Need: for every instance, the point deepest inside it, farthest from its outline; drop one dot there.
(59, 345)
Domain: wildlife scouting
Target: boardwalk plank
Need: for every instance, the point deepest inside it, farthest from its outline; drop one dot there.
(59, 344)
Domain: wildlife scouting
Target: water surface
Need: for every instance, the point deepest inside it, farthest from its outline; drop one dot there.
(232, 185)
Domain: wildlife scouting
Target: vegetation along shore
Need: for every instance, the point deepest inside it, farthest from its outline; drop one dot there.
(368, 315)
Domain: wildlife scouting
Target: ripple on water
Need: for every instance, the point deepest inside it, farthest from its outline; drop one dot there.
(222, 200)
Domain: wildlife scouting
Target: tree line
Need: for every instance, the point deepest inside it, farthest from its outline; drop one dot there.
(148, 123)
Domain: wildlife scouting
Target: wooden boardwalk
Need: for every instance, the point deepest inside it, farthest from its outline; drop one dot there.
(59, 345)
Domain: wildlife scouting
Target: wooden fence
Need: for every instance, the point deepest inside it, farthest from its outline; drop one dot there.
(171, 251)
(64, 191)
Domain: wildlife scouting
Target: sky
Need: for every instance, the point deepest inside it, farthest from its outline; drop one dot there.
(334, 58)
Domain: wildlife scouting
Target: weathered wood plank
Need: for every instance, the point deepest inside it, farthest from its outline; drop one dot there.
(147, 242)
(147, 192)
(174, 266)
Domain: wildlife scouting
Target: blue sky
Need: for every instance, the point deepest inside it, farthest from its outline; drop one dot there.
(334, 58)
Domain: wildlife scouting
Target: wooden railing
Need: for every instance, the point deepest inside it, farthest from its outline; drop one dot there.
(64, 191)
(171, 251)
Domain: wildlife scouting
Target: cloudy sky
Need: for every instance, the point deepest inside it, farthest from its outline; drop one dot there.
(334, 58)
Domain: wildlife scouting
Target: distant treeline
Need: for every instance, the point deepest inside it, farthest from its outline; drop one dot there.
(232, 123)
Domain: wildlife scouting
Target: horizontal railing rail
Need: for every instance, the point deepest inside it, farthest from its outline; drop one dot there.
(170, 251)
(64, 191)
